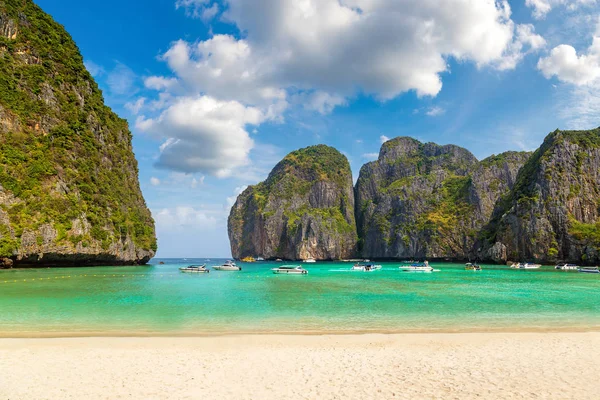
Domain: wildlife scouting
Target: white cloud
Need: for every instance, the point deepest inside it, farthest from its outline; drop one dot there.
(154, 181)
(435, 111)
(94, 69)
(121, 80)
(203, 135)
(322, 102)
(136, 106)
(195, 182)
(231, 200)
(160, 83)
(199, 8)
(542, 7)
(320, 51)
(370, 156)
(525, 37)
(169, 219)
(564, 63)
(383, 139)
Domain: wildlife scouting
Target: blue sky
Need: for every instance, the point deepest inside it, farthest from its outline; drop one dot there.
(216, 92)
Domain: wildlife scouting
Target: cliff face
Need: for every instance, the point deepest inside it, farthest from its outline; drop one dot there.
(304, 209)
(429, 201)
(69, 190)
(552, 212)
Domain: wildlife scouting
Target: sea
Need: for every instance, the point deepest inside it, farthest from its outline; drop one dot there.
(158, 299)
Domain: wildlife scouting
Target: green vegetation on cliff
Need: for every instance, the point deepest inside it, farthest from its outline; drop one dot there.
(303, 207)
(64, 155)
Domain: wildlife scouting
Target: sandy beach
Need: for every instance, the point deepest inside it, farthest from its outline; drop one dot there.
(403, 366)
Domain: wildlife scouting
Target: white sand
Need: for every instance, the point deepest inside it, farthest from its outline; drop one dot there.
(404, 366)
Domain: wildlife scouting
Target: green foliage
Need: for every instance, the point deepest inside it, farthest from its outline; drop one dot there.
(64, 136)
(8, 246)
(589, 233)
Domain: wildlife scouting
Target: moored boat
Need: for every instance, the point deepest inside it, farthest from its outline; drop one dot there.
(417, 267)
(567, 267)
(589, 270)
(366, 268)
(472, 267)
(260, 259)
(227, 266)
(525, 266)
(290, 270)
(197, 269)
(248, 259)
(310, 260)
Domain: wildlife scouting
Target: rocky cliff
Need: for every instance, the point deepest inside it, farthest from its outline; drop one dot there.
(69, 191)
(552, 213)
(429, 201)
(304, 209)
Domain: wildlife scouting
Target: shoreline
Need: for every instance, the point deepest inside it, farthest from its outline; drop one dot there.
(390, 332)
(374, 366)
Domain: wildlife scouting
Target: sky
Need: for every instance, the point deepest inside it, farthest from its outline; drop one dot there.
(216, 92)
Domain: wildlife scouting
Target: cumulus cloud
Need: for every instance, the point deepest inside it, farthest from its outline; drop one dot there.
(543, 7)
(154, 181)
(383, 139)
(169, 219)
(322, 52)
(204, 134)
(564, 63)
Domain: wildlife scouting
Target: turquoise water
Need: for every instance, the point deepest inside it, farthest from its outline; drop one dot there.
(158, 299)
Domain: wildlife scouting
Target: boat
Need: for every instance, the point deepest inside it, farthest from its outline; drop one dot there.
(366, 268)
(227, 266)
(525, 266)
(260, 259)
(567, 267)
(589, 270)
(197, 269)
(472, 267)
(248, 259)
(279, 260)
(290, 270)
(310, 260)
(417, 267)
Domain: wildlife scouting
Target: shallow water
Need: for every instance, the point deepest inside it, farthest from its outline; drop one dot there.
(158, 299)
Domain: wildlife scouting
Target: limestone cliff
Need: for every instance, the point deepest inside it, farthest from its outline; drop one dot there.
(429, 201)
(304, 209)
(69, 191)
(552, 213)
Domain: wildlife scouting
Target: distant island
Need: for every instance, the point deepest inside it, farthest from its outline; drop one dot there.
(423, 200)
(69, 190)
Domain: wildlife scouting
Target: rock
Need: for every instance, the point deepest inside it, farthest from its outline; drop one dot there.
(305, 209)
(552, 213)
(429, 201)
(69, 190)
(6, 263)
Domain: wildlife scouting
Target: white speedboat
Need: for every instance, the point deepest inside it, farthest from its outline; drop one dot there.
(417, 267)
(525, 266)
(310, 260)
(260, 259)
(567, 267)
(227, 266)
(589, 270)
(290, 270)
(195, 269)
(366, 268)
